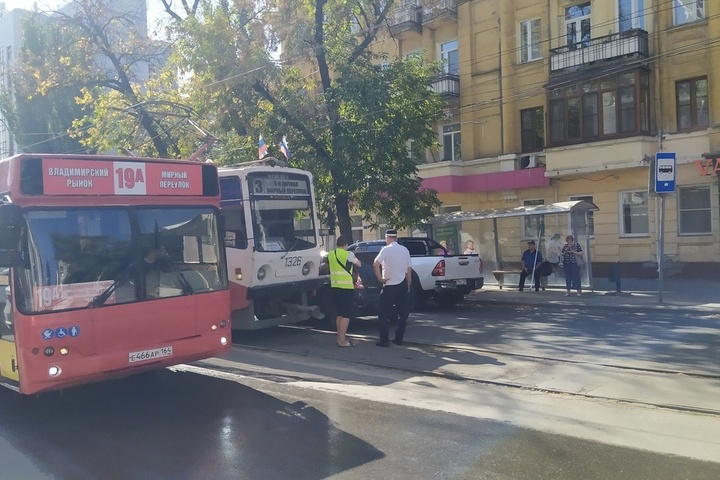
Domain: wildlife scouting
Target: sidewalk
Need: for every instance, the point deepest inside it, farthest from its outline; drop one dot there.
(700, 296)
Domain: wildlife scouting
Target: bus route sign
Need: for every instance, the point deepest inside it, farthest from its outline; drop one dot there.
(97, 177)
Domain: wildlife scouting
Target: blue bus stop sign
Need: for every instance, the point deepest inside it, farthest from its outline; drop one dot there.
(665, 172)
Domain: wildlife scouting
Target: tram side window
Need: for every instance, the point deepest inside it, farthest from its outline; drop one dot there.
(235, 231)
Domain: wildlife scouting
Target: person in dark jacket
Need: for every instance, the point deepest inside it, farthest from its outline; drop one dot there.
(531, 259)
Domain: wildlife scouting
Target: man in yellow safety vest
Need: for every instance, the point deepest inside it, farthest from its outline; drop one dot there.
(342, 287)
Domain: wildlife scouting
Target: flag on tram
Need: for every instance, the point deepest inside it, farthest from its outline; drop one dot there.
(262, 148)
(284, 148)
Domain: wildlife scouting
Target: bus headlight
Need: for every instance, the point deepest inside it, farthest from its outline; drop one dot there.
(54, 371)
(306, 268)
(261, 273)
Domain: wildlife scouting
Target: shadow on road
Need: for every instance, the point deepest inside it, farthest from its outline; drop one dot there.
(172, 425)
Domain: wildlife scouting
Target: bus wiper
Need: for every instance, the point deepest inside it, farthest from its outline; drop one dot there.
(186, 287)
(100, 299)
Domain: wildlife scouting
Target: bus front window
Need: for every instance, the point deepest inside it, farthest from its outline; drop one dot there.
(73, 257)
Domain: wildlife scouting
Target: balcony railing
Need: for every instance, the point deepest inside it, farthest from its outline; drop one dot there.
(412, 17)
(625, 44)
(447, 85)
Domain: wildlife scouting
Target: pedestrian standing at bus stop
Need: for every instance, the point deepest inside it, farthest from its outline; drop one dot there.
(342, 288)
(396, 278)
(571, 256)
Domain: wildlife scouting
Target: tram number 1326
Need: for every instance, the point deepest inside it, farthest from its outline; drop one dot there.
(293, 261)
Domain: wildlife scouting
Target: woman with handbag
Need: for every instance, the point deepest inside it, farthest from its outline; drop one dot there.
(572, 255)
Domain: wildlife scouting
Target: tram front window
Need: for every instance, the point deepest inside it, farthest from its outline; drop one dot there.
(274, 225)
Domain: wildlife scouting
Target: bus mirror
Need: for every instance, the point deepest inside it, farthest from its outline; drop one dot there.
(10, 221)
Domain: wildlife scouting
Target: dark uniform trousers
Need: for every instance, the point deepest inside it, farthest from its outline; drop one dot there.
(393, 304)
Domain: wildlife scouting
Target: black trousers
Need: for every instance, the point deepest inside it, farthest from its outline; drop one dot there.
(393, 304)
(524, 274)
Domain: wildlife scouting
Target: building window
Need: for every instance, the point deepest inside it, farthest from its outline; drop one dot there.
(530, 41)
(692, 103)
(631, 14)
(451, 142)
(686, 11)
(532, 129)
(577, 25)
(590, 216)
(357, 227)
(634, 219)
(449, 58)
(414, 151)
(532, 224)
(694, 211)
(613, 106)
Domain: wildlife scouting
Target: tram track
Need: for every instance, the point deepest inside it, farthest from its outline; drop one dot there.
(440, 347)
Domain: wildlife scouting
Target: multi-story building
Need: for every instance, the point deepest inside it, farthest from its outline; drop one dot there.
(561, 100)
(10, 43)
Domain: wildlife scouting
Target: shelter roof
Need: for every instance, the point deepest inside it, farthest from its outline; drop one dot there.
(549, 209)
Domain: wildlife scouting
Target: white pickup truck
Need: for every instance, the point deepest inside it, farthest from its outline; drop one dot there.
(443, 277)
(437, 275)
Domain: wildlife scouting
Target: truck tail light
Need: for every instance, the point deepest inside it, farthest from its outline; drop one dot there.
(439, 270)
(480, 265)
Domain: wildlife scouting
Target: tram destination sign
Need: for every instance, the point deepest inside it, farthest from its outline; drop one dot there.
(97, 177)
(279, 184)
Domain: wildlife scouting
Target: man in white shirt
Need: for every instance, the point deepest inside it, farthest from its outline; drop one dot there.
(396, 278)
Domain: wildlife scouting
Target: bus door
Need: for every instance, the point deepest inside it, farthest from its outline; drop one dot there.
(8, 353)
(10, 222)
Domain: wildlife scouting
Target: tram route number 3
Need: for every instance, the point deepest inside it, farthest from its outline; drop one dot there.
(293, 261)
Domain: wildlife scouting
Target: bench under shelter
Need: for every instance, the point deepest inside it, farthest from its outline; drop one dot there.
(501, 235)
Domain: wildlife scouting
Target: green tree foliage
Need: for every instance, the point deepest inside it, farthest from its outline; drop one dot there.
(38, 116)
(98, 62)
(348, 119)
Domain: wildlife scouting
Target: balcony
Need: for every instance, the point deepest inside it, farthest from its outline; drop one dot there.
(439, 10)
(447, 85)
(632, 43)
(413, 17)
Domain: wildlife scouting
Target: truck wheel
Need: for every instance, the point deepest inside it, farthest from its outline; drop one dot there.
(419, 298)
(446, 300)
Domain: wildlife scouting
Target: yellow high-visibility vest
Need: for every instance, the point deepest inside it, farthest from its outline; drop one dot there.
(339, 277)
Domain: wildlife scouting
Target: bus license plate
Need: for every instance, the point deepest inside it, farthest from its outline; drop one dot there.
(150, 354)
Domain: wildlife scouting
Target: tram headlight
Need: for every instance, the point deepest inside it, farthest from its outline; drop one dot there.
(261, 273)
(306, 268)
(54, 371)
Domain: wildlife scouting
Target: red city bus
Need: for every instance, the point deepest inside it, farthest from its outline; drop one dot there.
(109, 266)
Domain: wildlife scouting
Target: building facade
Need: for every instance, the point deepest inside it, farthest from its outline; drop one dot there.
(571, 100)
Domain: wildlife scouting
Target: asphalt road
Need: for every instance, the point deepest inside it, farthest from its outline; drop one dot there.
(469, 397)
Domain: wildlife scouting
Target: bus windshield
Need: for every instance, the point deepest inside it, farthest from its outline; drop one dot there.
(283, 224)
(88, 257)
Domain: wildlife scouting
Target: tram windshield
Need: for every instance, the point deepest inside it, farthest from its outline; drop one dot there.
(283, 225)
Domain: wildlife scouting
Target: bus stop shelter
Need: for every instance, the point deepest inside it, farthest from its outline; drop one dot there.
(501, 246)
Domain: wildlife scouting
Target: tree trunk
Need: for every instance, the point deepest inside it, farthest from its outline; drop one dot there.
(343, 217)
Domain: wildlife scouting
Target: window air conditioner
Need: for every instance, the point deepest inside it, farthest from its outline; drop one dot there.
(528, 161)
